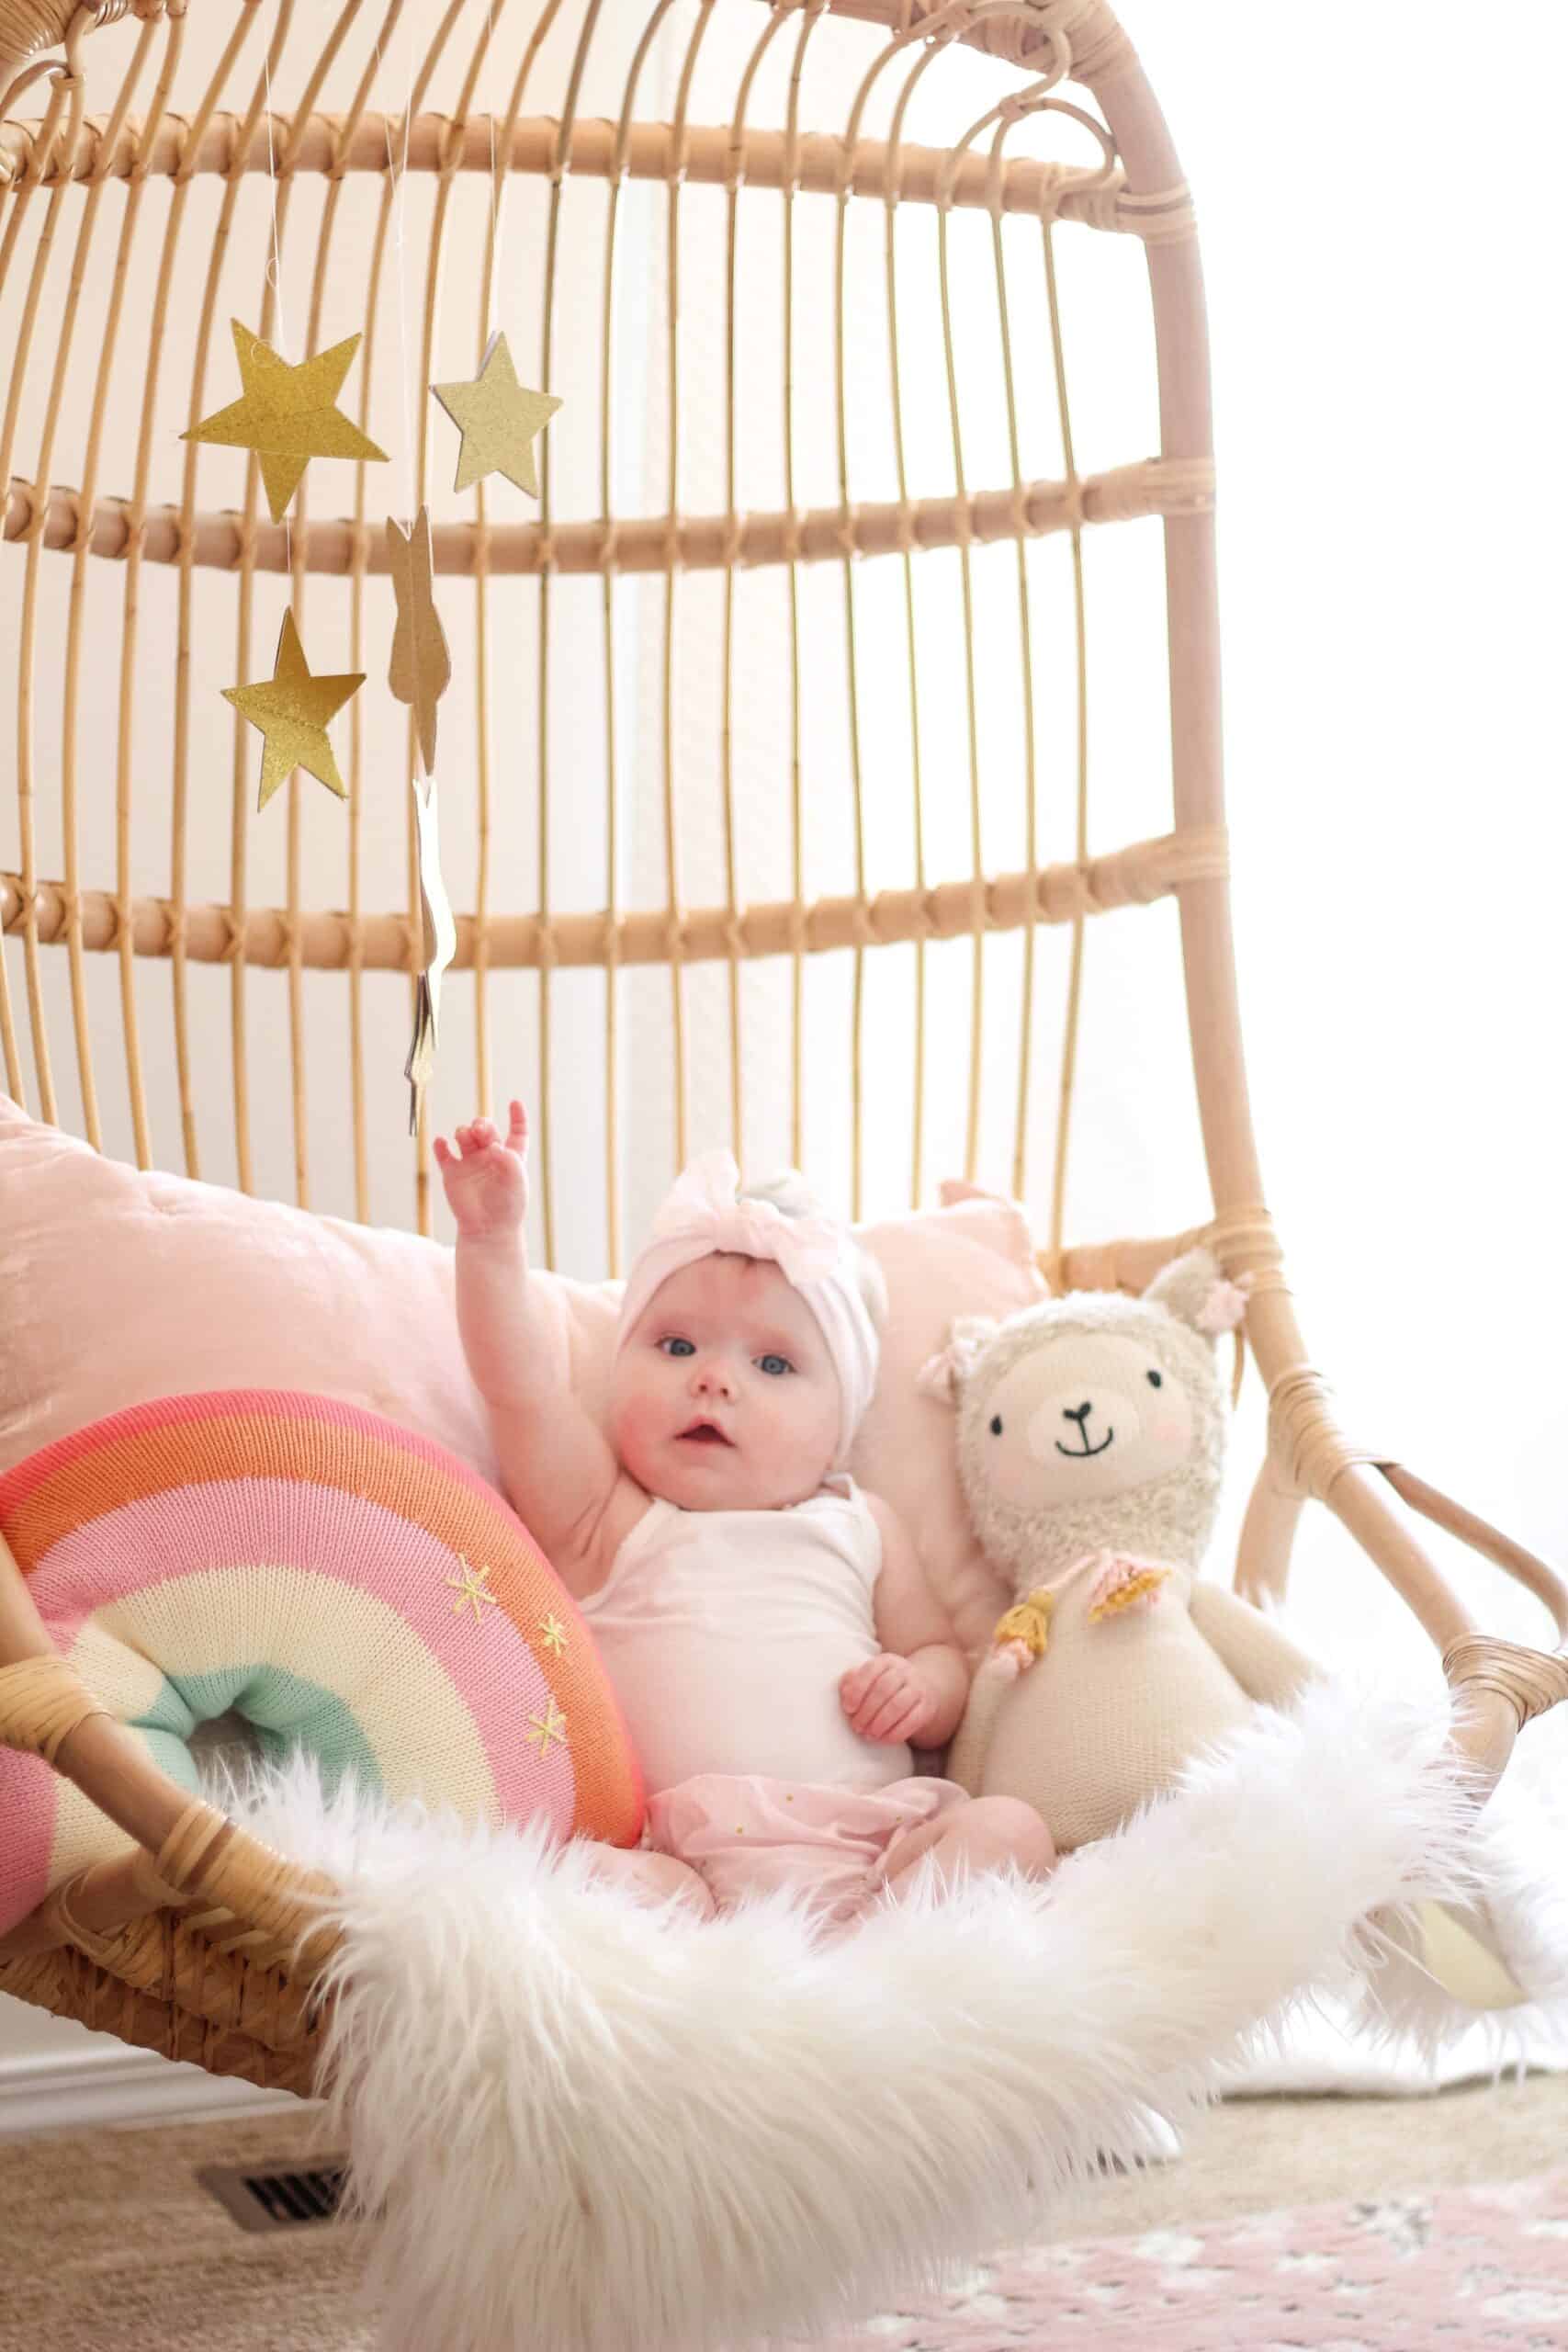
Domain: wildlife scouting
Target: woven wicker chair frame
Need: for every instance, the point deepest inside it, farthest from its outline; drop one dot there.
(201, 1943)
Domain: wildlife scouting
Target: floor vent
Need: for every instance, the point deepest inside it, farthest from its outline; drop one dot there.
(275, 2200)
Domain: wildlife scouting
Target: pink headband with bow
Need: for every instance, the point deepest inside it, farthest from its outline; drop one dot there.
(704, 1213)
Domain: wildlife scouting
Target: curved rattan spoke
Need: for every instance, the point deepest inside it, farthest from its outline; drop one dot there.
(1136, 876)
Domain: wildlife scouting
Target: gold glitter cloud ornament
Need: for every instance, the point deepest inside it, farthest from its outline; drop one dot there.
(287, 414)
(500, 421)
(291, 708)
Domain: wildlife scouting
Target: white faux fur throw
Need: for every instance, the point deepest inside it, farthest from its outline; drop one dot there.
(591, 2127)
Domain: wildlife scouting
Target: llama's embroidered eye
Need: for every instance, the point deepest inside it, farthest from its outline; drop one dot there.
(1155, 1379)
(996, 1425)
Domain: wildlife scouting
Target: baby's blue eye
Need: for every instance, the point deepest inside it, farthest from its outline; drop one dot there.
(774, 1364)
(677, 1347)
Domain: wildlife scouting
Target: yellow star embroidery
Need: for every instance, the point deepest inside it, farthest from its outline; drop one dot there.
(470, 1588)
(292, 709)
(547, 1727)
(287, 415)
(499, 420)
(554, 1632)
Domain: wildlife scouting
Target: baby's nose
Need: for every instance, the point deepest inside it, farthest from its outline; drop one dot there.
(711, 1374)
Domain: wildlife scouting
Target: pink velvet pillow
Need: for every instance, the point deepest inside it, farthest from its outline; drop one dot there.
(121, 1286)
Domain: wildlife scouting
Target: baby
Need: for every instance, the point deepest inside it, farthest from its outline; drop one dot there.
(766, 1624)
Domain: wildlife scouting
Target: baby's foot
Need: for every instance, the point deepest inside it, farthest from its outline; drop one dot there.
(1125, 1583)
(654, 1879)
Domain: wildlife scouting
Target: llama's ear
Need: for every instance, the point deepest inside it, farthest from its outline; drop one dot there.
(944, 1376)
(1195, 1290)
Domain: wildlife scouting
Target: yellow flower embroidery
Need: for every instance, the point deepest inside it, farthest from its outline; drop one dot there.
(554, 1632)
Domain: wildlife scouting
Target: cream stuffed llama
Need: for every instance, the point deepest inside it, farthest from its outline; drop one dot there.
(1090, 1444)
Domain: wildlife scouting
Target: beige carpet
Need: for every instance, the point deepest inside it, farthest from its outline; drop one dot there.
(108, 2244)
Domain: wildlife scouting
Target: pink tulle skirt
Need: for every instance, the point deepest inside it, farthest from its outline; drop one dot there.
(743, 1833)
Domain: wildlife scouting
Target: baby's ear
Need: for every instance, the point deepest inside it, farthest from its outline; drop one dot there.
(1195, 1290)
(943, 1376)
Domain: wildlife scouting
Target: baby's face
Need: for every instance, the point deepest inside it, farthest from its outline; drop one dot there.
(725, 1396)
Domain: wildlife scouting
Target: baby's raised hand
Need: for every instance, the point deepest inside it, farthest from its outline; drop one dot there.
(886, 1698)
(486, 1178)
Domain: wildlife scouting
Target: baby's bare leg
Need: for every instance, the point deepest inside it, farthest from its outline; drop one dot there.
(653, 1878)
(988, 1834)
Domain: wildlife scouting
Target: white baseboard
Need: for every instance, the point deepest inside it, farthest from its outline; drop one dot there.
(80, 2090)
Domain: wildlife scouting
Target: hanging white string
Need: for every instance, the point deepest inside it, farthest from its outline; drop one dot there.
(275, 267)
(275, 274)
(400, 180)
(497, 199)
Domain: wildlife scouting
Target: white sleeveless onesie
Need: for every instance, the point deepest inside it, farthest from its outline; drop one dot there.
(726, 1633)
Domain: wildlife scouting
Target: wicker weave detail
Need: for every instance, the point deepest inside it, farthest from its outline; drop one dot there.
(816, 165)
(1027, 35)
(42, 1700)
(1134, 876)
(1531, 1680)
(71, 1985)
(1305, 1438)
(172, 1960)
(1129, 1266)
(270, 1906)
(225, 541)
(136, 1875)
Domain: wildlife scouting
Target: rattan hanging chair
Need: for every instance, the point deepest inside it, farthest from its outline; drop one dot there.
(862, 452)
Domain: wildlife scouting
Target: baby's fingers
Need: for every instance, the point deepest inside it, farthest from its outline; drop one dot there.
(445, 1155)
(895, 1717)
(517, 1131)
(857, 1686)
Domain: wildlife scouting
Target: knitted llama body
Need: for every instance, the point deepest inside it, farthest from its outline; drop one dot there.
(1107, 1717)
(1090, 1445)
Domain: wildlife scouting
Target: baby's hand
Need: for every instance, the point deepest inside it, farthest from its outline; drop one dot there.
(885, 1699)
(487, 1187)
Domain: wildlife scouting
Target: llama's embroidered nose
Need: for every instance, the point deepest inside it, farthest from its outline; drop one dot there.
(1080, 1414)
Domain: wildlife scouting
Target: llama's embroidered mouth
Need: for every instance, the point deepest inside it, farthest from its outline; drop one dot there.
(1083, 1453)
(704, 1433)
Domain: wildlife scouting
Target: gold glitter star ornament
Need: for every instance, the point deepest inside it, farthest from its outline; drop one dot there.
(287, 414)
(500, 421)
(292, 709)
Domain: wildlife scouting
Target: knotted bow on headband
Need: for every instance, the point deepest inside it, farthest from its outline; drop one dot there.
(705, 1213)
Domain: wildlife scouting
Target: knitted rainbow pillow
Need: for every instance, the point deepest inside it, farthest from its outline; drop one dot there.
(347, 1587)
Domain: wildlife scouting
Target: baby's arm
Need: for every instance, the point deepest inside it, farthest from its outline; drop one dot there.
(915, 1690)
(559, 1470)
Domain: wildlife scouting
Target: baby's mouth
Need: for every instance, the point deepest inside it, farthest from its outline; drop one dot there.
(704, 1433)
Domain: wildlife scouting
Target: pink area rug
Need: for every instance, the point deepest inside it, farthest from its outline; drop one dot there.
(1480, 2270)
